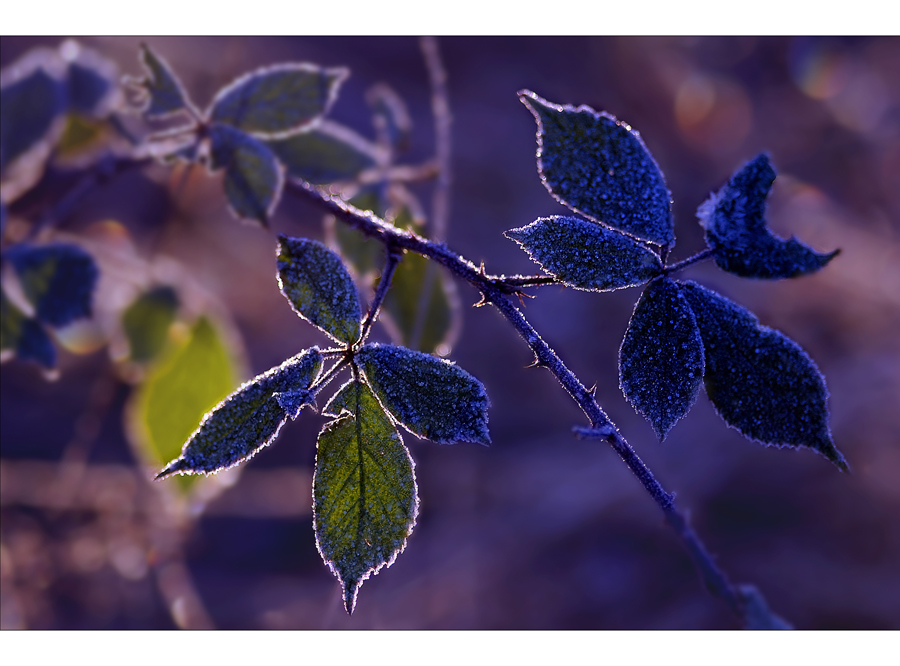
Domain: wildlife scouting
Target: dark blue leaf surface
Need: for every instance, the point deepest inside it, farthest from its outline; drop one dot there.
(600, 167)
(28, 108)
(661, 358)
(737, 232)
(760, 381)
(86, 88)
(585, 255)
(165, 94)
(253, 176)
(58, 279)
(279, 100)
(24, 336)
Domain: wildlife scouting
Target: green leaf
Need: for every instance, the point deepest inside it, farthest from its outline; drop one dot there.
(599, 167)
(147, 320)
(760, 382)
(164, 92)
(661, 358)
(318, 287)
(24, 336)
(420, 305)
(429, 396)
(253, 176)
(328, 153)
(586, 255)
(248, 419)
(364, 490)
(58, 279)
(277, 101)
(28, 108)
(737, 231)
(188, 381)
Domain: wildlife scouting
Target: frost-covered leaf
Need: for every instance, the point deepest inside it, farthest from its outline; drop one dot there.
(165, 95)
(364, 490)
(760, 382)
(328, 153)
(279, 100)
(247, 420)
(58, 279)
(585, 255)
(598, 166)
(253, 176)
(319, 288)
(390, 116)
(87, 86)
(190, 378)
(23, 336)
(428, 396)
(661, 358)
(28, 108)
(147, 320)
(737, 231)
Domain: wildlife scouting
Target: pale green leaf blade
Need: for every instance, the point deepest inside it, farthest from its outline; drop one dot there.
(364, 490)
(318, 287)
(147, 320)
(249, 419)
(661, 358)
(429, 396)
(585, 255)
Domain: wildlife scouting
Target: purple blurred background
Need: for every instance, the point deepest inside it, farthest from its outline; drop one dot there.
(538, 531)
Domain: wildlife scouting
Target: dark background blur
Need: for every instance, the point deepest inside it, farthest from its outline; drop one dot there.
(539, 531)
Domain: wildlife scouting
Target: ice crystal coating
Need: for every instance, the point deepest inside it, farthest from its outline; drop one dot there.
(253, 176)
(661, 357)
(58, 279)
(165, 95)
(598, 166)
(586, 255)
(319, 288)
(279, 100)
(23, 336)
(429, 396)
(364, 490)
(760, 382)
(247, 420)
(737, 231)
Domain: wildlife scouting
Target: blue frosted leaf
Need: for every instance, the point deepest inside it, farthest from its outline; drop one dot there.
(321, 157)
(253, 176)
(760, 382)
(429, 396)
(586, 255)
(28, 109)
(279, 100)
(24, 336)
(165, 94)
(87, 87)
(661, 358)
(738, 234)
(58, 279)
(600, 167)
(364, 490)
(247, 420)
(318, 287)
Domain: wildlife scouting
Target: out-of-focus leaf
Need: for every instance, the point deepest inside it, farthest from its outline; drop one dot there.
(600, 167)
(91, 80)
(429, 396)
(192, 378)
(279, 100)
(661, 358)
(586, 255)
(82, 135)
(364, 254)
(364, 490)
(24, 336)
(58, 279)
(419, 304)
(737, 232)
(247, 420)
(253, 176)
(147, 320)
(390, 116)
(86, 88)
(165, 94)
(318, 287)
(325, 154)
(760, 382)
(28, 109)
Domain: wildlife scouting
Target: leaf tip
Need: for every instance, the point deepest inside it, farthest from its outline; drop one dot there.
(350, 590)
(175, 467)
